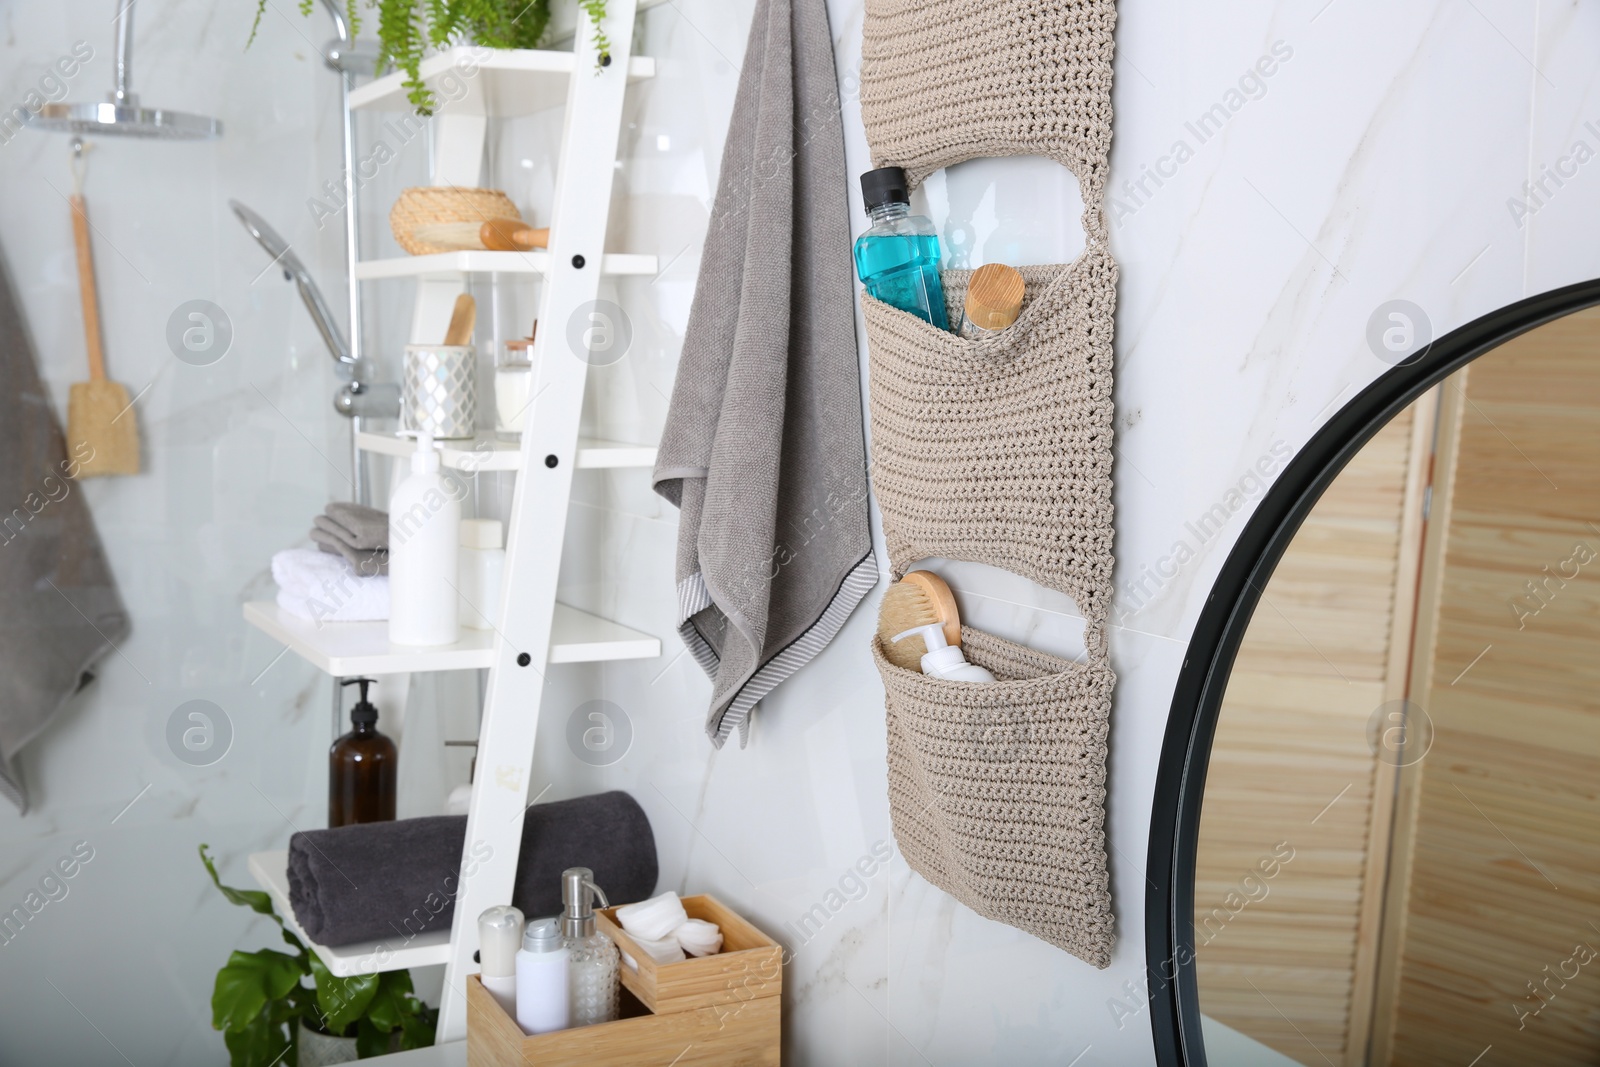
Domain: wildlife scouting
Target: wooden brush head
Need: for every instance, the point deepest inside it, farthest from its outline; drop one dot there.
(921, 598)
(102, 433)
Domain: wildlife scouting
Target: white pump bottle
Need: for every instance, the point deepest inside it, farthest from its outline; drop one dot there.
(943, 661)
(424, 547)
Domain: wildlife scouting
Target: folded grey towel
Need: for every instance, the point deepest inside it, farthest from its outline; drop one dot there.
(368, 562)
(389, 881)
(59, 607)
(355, 524)
(763, 450)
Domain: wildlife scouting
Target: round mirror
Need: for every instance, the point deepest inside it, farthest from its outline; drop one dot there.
(1375, 837)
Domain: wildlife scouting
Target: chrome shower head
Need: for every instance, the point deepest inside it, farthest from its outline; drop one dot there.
(121, 115)
(275, 245)
(94, 120)
(284, 256)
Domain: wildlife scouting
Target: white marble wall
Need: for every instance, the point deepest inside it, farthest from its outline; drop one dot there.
(1375, 162)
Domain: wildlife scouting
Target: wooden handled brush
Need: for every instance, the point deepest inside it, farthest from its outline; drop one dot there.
(494, 235)
(921, 598)
(462, 318)
(102, 433)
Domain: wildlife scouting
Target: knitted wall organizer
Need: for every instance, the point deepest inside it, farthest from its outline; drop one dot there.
(999, 451)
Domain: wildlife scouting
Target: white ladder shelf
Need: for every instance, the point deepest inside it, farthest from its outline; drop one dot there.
(535, 632)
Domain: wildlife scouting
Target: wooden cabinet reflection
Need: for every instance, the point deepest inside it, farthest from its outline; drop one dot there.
(1416, 712)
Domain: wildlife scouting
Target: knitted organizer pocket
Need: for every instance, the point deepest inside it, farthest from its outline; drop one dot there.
(998, 789)
(944, 81)
(999, 450)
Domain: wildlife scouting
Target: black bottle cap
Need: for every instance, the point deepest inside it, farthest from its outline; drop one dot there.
(886, 185)
(364, 713)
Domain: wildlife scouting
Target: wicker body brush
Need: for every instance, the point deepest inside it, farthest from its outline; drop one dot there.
(101, 428)
(921, 598)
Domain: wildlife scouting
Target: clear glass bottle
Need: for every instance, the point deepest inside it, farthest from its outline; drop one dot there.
(592, 958)
(994, 300)
(897, 259)
(513, 387)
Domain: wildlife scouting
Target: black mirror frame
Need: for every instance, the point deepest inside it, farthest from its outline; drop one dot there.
(1197, 699)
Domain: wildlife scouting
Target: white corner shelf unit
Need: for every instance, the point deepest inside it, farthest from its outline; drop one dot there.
(446, 265)
(491, 83)
(488, 453)
(271, 870)
(346, 649)
(535, 632)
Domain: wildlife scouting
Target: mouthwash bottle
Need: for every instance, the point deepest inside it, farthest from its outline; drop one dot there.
(897, 258)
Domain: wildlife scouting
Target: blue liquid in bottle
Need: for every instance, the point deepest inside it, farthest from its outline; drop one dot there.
(897, 259)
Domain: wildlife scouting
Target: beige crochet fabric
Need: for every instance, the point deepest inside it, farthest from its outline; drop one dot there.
(944, 81)
(998, 790)
(999, 451)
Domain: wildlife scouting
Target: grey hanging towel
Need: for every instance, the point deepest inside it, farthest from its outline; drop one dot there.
(763, 450)
(59, 607)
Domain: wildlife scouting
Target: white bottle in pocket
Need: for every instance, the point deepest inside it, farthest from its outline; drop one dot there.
(943, 661)
(424, 531)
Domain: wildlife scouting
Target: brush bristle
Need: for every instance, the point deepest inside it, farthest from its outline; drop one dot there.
(905, 606)
(102, 431)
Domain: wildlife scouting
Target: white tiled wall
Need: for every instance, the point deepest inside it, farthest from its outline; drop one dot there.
(1375, 162)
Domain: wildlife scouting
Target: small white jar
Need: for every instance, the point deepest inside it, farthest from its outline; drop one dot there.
(481, 574)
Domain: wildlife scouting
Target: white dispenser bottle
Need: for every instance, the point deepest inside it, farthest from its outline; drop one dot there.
(941, 660)
(424, 532)
(543, 1000)
(483, 564)
(499, 940)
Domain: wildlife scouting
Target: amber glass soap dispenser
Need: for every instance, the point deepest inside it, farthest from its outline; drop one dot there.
(361, 768)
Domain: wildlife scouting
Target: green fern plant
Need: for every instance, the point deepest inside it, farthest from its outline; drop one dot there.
(407, 28)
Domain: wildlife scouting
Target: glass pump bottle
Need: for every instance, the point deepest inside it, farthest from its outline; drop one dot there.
(592, 959)
(897, 259)
(361, 768)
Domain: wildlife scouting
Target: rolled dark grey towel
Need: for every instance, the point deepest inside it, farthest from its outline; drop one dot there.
(389, 881)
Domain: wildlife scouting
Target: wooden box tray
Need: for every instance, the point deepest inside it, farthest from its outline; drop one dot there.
(715, 1011)
(749, 967)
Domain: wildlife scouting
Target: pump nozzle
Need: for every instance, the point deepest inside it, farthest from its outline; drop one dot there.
(941, 660)
(578, 892)
(425, 460)
(932, 636)
(364, 711)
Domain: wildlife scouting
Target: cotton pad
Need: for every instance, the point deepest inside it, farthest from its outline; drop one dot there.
(653, 919)
(699, 938)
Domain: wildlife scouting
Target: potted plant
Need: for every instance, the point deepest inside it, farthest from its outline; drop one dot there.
(268, 1015)
(406, 29)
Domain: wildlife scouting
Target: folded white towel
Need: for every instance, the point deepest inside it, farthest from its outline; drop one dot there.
(653, 919)
(323, 588)
(698, 937)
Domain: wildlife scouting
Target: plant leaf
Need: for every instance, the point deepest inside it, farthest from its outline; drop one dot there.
(341, 1001)
(254, 899)
(247, 982)
(370, 1041)
(392, 1002)
(261, 1042)
(417, 1029)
